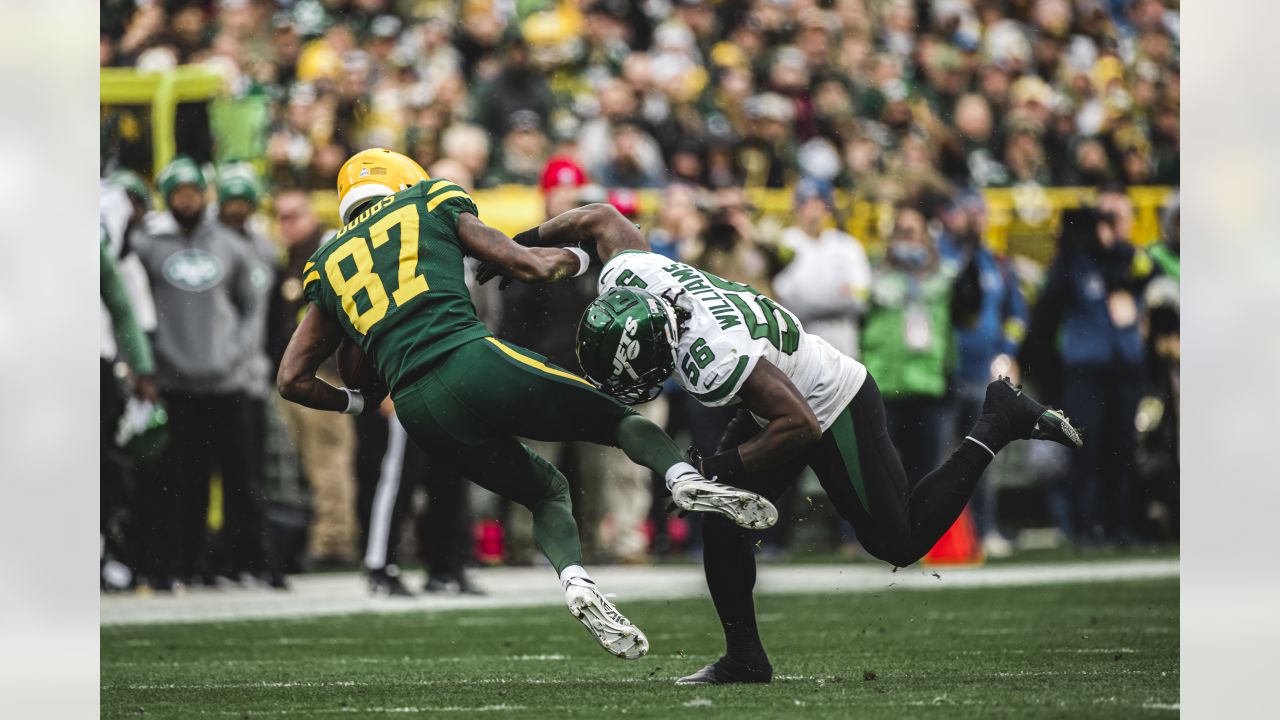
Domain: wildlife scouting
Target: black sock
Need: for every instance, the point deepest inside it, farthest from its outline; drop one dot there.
(991, 434)
(941, 496)
(742, 640)
(730, 566)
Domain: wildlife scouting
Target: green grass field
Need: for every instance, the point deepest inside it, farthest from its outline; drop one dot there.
(1090, 650)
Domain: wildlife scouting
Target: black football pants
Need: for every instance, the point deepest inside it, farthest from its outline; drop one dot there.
(863, 476)
(206, 432)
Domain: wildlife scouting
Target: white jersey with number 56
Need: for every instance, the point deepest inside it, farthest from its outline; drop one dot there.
(731, 327)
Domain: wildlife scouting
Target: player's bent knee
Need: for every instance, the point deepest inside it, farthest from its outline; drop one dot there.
(557, 489)
(629, 421)
(552, 488)
(544, 484)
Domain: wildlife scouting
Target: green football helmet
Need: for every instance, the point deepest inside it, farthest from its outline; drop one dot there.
(627, 343)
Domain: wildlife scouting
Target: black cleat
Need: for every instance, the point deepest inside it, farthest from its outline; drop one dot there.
(437, 585)
(1008, 406)
(450, 584)
(385, 582)
(467, 587)
(726, 671)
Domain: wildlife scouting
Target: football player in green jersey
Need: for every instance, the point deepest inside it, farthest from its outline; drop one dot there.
(391, 280)
(803, 403)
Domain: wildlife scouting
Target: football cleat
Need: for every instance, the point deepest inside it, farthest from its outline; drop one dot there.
(451, 585)
(726, 671)
(385, 582)
(693, 493)
(614, 632)
(1008, 405)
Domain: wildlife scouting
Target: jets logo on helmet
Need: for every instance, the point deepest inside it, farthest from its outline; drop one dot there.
(627, 343)
(627, 350)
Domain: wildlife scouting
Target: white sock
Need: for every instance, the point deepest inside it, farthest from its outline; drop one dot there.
(675, 471)
(573, 572)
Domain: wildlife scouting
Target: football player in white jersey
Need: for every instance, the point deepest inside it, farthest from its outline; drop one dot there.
(802, 403)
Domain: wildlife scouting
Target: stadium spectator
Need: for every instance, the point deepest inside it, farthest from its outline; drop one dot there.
(634, 159)
(733, 246)
(618, 104)
(468, 145)
(1093, 300)
(201, 277)
(679, 224)
(765, 153)
(238, 195)
(325, 442)
(517, 86)
(1158, 454)
(915, 304)
(986, 349)
(522, 154)
(828, 279)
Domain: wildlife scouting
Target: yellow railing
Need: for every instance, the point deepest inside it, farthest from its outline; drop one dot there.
(1020, 221)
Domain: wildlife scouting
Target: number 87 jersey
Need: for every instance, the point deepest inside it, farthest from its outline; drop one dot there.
(730, 328)
(393, 277)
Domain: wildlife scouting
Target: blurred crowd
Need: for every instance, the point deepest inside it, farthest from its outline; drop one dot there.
(891, 98)
(918, 105)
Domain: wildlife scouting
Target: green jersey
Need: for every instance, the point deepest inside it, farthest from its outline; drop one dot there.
(393, 278)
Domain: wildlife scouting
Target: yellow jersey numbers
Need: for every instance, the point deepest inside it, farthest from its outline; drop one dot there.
(359, 249)
(394, 279)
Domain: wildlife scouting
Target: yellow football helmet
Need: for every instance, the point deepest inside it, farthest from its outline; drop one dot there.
(376, 172)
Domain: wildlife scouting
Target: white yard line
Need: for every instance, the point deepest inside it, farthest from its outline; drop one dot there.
(336, 594)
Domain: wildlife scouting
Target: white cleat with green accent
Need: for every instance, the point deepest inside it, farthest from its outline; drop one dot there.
(693, 493)
(610, 628)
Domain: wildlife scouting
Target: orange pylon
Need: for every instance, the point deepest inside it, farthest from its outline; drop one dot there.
(959, 546)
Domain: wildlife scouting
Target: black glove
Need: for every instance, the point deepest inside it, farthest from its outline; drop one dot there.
(694, 457)
(725, 467)
(488, 271)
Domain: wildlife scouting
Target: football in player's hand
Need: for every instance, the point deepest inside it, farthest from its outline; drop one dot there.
(358, 373)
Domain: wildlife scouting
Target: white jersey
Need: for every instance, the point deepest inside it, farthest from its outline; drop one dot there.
(731, 327)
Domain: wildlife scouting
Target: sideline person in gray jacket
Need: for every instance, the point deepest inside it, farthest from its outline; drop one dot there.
(202, 279)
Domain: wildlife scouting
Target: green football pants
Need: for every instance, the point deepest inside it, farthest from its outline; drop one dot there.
(469, 409)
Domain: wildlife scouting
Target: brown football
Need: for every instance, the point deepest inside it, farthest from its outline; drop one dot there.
(357, 372)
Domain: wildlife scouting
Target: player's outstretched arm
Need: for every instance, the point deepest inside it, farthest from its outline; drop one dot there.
(771, 395)
(598, 226)
(598, 223)
(503, 256)
(317, 337)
